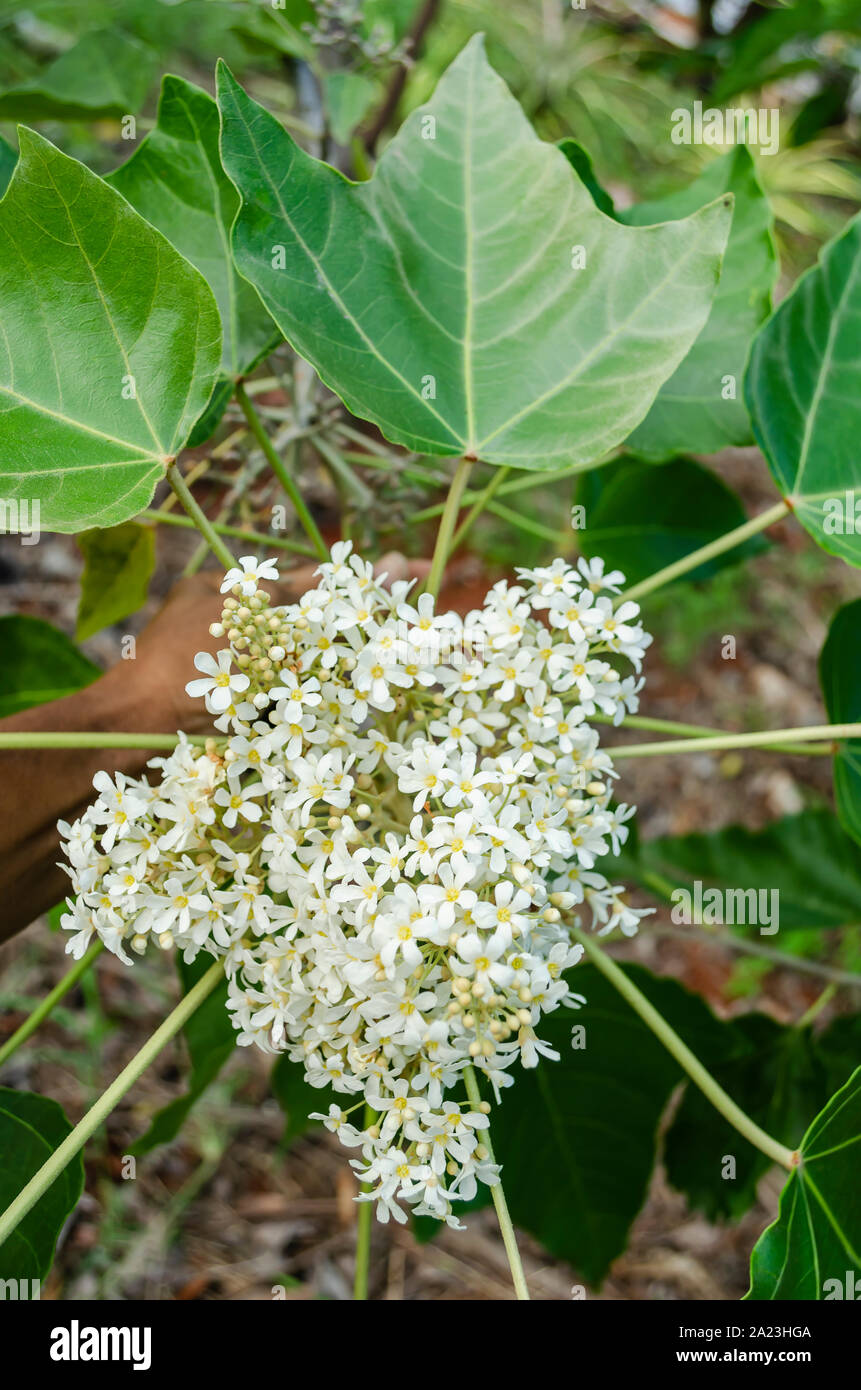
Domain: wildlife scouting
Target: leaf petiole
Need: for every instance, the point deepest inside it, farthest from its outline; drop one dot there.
(277, 465)
(503, 1216)
(98, 1113)
(41, 1011)
(707, 552)
(202, 522)
(703, 1078)
(764, 738)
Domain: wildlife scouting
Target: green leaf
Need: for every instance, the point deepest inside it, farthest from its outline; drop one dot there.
(38, 663)
(118, 565)
(640, 517)
(279, 28)
(838, 1049)
(592, 1118)
(175, 180)
(807, 859)
(8, 160)
(297, 1099)
(349, 97)
(840, 677)
(802, 393)
(814, 1247)
(690, 412)
(31, 1128)
(106, 73)
(581, 162)
(116, 342)
(211, 1040)
(776, 1076)
(438, 298)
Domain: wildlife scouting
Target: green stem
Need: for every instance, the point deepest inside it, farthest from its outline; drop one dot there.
(718, 1097)
(277, 465)
(707, 552)
(158, 742)
(477, 508)
(529, 524)
(364, 1223)
(671, 726)
(40, 1013)
(760, 739)
(817, 1006)
(202, 522)
(253, 537)
(446, 526)
(518, 484)
(99, 1112)
(509, 1239)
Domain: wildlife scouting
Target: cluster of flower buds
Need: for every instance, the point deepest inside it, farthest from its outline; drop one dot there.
(387, 846)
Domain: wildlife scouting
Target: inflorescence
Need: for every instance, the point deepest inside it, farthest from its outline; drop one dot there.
(388, 845)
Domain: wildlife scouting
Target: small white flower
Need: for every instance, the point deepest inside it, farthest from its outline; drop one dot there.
(249, 574)
(220, 684)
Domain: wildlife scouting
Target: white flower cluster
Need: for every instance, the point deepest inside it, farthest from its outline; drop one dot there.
(387, 846)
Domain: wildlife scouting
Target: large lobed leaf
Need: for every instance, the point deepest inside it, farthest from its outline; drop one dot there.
(801, 389)
(31, 1128)
(38, 663)
(840, 677)
(776, 1076)
(641, 516)
(118, 565)
(8, 160)
(699, 409)
(175, 180)
(815, 1243)
(109, 345)
(577, 1138)
(807, 859)
(106, 73)
(780, 1076)
(438, 298)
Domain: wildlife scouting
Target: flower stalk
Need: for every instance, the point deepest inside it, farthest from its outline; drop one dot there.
(503, 1216)
(364, 1222)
